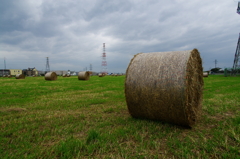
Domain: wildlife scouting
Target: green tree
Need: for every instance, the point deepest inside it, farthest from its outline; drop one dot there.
(215, 70)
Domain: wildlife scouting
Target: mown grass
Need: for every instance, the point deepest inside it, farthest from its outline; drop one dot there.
(69, 118)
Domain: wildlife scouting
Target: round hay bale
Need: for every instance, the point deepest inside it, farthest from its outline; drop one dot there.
(100, 75)
(20, 76)
(64, 75)
(68, 75)
(51, 76)
(165, 86)
(205, 74)
(9, 76)
(83, 75)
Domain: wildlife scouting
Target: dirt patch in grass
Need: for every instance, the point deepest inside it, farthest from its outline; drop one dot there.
(12, 109)
(223, 116)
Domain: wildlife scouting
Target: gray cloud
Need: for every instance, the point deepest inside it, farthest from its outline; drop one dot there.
(71, 33)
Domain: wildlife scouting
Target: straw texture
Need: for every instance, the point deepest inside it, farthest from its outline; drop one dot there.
(165, 86)
(51, 76)
(20, 76)
(84, 75)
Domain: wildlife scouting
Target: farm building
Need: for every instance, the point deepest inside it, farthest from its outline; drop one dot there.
(12, 72)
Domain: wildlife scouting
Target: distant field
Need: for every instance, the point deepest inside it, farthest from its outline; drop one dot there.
(69, 118)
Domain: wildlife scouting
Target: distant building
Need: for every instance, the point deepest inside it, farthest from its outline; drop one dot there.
(41, 73)
(60, 72)
(72, 73)
(12, 72)
(30, 72)
(4, 72)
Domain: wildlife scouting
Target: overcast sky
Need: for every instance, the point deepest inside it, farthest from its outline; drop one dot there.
(72, 32)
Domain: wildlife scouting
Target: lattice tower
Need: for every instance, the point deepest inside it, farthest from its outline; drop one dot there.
(104, 61)
(47, 65)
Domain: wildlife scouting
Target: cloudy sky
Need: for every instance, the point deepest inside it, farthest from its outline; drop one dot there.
(72, 32)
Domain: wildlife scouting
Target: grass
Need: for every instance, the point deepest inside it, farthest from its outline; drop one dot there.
(68, 118)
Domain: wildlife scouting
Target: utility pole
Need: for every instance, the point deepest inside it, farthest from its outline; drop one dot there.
(90, 68)
(4, 65)
(215, 63)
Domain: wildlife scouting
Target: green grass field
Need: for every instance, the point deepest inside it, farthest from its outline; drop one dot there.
(68, 118)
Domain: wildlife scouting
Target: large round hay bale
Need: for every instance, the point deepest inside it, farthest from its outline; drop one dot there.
(165, 86)
(20, 76)
(205, 74)
(51, 76)
(83, 75)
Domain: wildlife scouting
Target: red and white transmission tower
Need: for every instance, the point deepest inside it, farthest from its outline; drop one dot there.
(104, 62)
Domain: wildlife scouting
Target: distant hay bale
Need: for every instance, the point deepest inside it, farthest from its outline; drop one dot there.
(68, 75)
(64, 75)
(9, 76)
(205, 74)
(20, 76)
(51, 76)
(100, 75)
(165, 86)
(84, 75)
